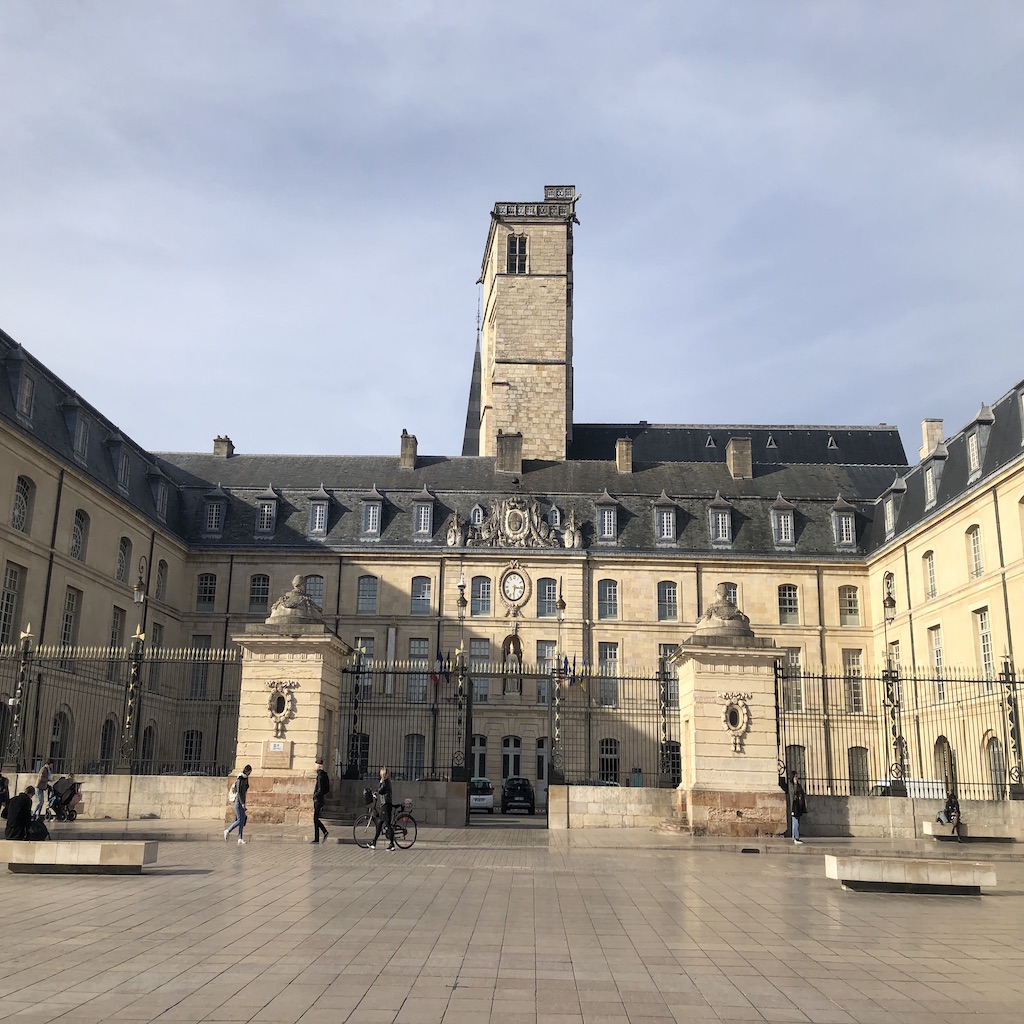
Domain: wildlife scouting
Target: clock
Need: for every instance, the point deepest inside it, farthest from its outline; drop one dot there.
(513, 586)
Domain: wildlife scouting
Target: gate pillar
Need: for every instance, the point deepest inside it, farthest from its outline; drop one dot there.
(730, 779)
(288, 714)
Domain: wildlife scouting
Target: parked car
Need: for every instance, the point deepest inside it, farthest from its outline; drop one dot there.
(517, 792)
(481, 795)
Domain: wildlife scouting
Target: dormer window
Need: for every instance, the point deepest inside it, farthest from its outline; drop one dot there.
(26, 396)
(607, 518)
(977, 442)
(783, 523)
(214, 511)
(476, 517)
(720, 521)
(973, 455)
(81, 441)
(515, 262)
(124, 469)
(423, 515)
(665, 520)
(372, 504)
(319, 507)
(889, 512)
(266, 512)
(929, 486)
(554, 517)
(161, 491)
(844, 525)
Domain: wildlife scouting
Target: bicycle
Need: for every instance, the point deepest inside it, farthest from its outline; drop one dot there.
(403, 823)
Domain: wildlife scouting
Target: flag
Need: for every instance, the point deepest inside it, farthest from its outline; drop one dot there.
(583, 673)
(572, 678)
(435, 676)
(564, 667)
(448, 668)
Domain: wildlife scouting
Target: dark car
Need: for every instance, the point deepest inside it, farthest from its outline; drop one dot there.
(517, 793)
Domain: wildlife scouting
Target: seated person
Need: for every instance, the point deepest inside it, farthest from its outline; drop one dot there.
(19, 814)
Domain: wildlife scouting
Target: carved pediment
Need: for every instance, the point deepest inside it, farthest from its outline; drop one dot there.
(514, 522)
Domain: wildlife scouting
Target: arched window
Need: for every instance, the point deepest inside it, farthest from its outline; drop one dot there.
(21, 513)
(796, 761)
(61, 740)
(789, 605)
(206, 591)
(945, 765)
(415, 748)
(554, 517)
(108, 745)
(668, 601)
(849, 606)
(476, 517)
(147, 756)
(931, 588)
(974, 552)
(547, 598)
(366, 595)
(607, 599)
(480, 596)
(259, 594)
(315, 590)
(161, 580)
(608, 763)
(511, 756)
(419, 602)
(996, 768)
(80, 535)
(124, 560)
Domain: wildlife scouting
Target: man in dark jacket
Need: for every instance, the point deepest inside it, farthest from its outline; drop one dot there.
(19, 815)
(321, 788)
(241, 817)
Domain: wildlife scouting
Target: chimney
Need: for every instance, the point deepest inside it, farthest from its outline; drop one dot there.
(739, 458)
(624, 455)
(931, 435)
(223, 447)
(408, 457)
(510, 453)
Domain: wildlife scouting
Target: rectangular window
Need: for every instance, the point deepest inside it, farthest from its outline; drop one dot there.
(423, 519)
(364, 681)
(670, 674)
(607, 599)
(784, 528)
(515, 262)
(201, 646)
(977, 562)
(81, 435)
(479, 659)
(845, 533)
(259, 594)
(983, 633)
(156, 642)
(668, 603)
(853, 680)
(419, 660)
(366, 595)
(547, 599)
(721, 526)
(420, 597)
(13, 576)
(69, 619)
(606, 524)
(206, 592)
(938, 660)
(26, 395)
(789, 605)
(792, 681)
(889, 509)
(124, 468)
(315, 590)
(415, 756)
(546, 653)
(116, 641)
(480, 596)
(929, 485)
(930, 584)
(666, 524)
(318, 518)
(608, 671)
(371, 518)
(161, 500)
(973, 457)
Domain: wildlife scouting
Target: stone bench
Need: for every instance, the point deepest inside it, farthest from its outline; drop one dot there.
(980, 833)
(898, 874)
(78, 856)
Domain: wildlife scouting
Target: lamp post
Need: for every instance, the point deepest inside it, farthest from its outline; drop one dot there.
(15, 703)
(1008, 677)
(555, 774)
(352, 771)
(891, 681)
(131, 702)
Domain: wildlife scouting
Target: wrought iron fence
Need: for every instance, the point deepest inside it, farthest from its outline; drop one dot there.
(915, 732)
(497, 721)
(94, 710)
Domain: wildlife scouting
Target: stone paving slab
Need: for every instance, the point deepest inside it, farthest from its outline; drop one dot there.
(503, 925)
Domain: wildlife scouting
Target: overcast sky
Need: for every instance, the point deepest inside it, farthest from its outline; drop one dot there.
(267, 219)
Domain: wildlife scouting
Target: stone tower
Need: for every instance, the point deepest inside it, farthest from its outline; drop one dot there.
(524, 384)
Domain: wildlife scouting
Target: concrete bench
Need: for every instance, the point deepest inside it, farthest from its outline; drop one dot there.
(980, 833)
(78, 856)
(897, 874)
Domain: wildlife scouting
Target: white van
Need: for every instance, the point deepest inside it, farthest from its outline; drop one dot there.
(919, 789)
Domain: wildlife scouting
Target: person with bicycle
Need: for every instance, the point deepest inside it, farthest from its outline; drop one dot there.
(385, 811)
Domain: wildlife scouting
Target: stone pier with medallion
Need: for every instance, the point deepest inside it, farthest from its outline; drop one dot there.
(288, 714)
(730, 768)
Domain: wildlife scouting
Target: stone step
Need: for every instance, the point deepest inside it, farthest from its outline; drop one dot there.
(676, 825)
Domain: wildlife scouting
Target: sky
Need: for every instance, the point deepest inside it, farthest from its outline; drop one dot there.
(267, 219)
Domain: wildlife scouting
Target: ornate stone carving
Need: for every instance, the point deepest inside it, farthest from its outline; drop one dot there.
(572, 535)
(514, 522)
(281, 704)
(295, 606)
(723, 618)
(456, 531)
(736, 717)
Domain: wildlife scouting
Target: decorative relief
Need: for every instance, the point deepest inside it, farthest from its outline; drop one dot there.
(514, 522)
(281, 704)
(736, 717)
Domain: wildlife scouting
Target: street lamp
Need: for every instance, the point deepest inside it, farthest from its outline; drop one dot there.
(891, 681)
(139, 590)
(555, 704)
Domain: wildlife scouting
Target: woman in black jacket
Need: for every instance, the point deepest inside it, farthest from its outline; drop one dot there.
(384, 810)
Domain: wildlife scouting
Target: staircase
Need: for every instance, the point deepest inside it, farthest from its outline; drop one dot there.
(678, 824)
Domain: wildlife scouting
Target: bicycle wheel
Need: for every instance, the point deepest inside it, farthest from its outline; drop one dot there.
(405, 831)
(364, 830)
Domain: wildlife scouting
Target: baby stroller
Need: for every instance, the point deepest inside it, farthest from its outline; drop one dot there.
(65, 794)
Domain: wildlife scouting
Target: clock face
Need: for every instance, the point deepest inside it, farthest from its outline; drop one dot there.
(513, 586)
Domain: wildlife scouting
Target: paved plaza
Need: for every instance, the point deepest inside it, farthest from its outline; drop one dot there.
(512, 925)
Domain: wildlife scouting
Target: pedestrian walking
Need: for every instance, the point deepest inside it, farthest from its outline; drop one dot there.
(321, 789)
(240, 789)
(43, 786)
(385, 809)
(797, 805)
(19, 815)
